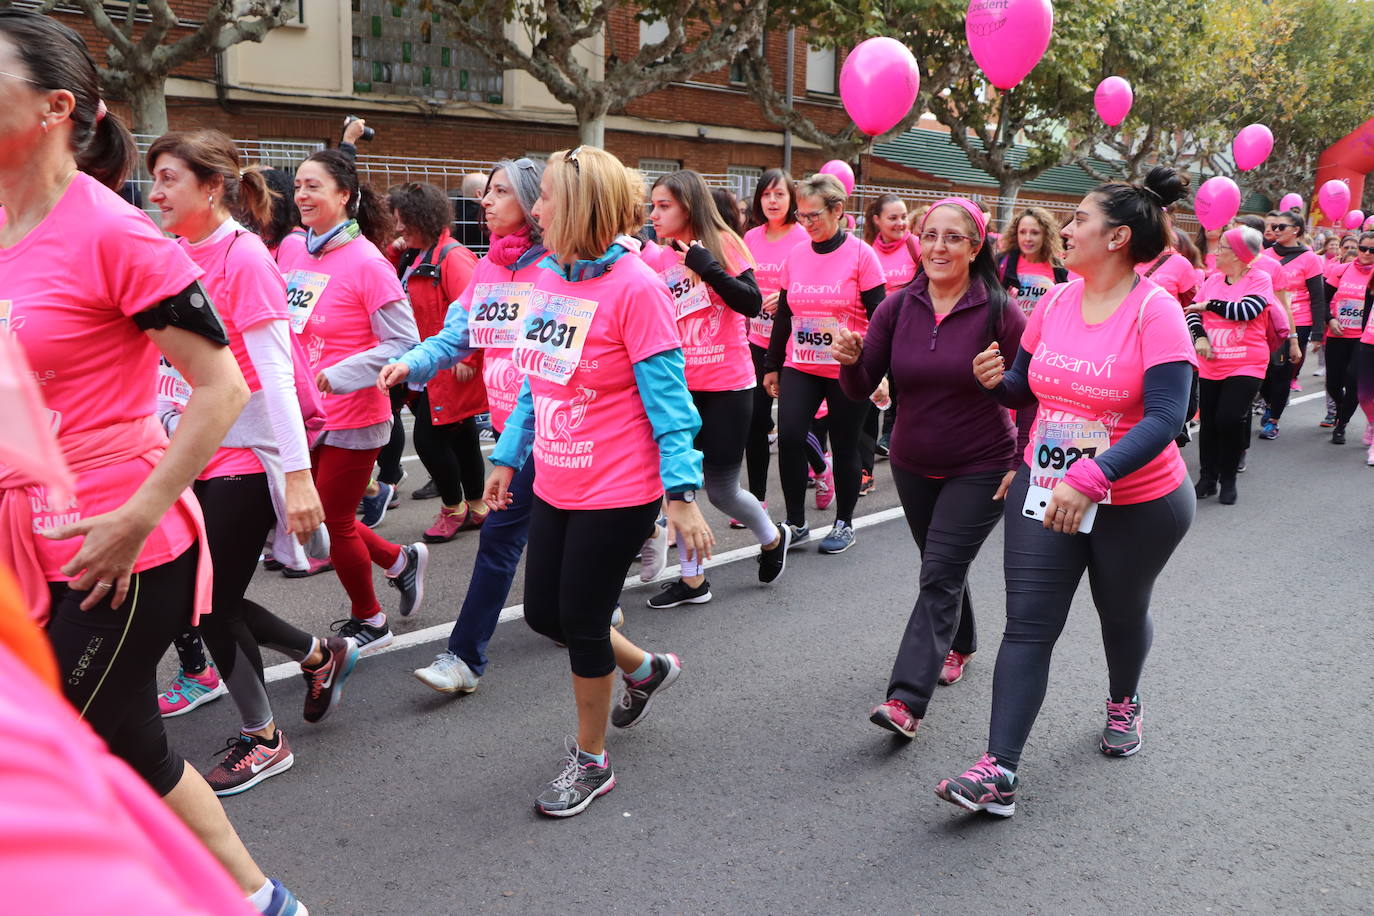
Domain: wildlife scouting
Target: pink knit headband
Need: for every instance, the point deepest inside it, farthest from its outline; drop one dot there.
(1236, 239)
(973, 210)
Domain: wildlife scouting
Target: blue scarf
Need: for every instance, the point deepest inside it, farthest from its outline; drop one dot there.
(584, 270)
(337, 237)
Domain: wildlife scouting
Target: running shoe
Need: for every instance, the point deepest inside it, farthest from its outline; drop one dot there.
(800, 534)
(677, 592)
(248, 761)
(1227, 494)
(866, 484)
(447, 674)
(188, 691)
(283, 902)
(637, 696)
(840, 538)
(1205, 487)
(895, 716)
(1270, 430)
(1121, 737)
(1369, 457)
(270, 562)
(773, 442)
(982, 787)
(375, 506)
(582, 781)
(314, 569)
(1329, 420)
(1295, 386)
(1240, 466)
(1368, 438)
(324, 685)
(1338, 436)
(739, 525)
(474, 519)
(953, 670)
(773, 562)
(447, 525)
(653, 556)
(884, 442)
(410, 581)
(825, 486)
(429, 491)
(367, 637)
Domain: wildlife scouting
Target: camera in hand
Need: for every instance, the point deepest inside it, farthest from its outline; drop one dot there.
(368, 133)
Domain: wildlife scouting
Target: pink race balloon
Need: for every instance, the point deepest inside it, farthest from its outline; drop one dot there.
(1113, 100)
(1369, 223)
(1291, 202)
(878, 84)
(840, 170)
(1252, 146)
(1217, 202)
(1353, 219)
(1334, 199)
(1008, 37)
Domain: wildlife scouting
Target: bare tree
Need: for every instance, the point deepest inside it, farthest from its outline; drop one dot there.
(701, 36)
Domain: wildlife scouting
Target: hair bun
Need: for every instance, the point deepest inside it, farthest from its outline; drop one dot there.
(1166, 185)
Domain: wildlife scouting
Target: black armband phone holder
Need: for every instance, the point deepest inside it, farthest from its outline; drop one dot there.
(189, 310)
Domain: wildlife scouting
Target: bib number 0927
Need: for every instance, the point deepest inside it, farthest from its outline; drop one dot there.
(1061, 459)
(549, 331)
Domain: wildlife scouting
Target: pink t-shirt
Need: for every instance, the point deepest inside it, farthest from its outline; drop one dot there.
(768, 259)
(823, 294)
(340, 291)
(898, 267)
(1177, 274)
(69, 288)
(1209, 264)
(247, 289)
(1094, 374)
(1347, 307)
(1293, 277)
(594, 447)
(1332, 269)
(1238, 347)
(714, 342)
(1036, 279)
(502, 296)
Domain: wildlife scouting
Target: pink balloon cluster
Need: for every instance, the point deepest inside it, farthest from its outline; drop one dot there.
(1008, 37)
(878, 84)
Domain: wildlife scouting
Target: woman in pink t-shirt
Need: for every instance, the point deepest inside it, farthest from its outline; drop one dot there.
(351, 315)
(832, 281)
(886, 228)
(1103, 490)
(1300, 275)
(1031, 261)
(261, 481)
(1350, 292)
(606, 413)
(711, 280)
(92, 293)
(1229, 321)
(774, 235)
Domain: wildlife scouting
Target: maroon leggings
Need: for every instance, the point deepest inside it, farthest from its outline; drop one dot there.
(341, 476)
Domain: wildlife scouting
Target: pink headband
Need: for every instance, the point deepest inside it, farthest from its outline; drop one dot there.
(968, 205)
(1236, 239)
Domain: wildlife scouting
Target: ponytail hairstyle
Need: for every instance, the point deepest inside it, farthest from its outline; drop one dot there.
(875, 210)
(1184, 246)
(704, 221)
(364, 204)
(283, 218)
(1141, 208)
(214, 160)
(56, 59)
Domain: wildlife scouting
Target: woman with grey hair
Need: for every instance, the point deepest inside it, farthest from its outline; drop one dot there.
(487, 317)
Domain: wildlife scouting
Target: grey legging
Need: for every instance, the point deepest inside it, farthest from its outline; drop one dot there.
(1126, 551)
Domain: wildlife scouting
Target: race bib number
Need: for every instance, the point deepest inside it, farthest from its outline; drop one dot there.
(689, 294)
(303, 291)
(498, 312)
(1349, 313)
(761, 325)
(812, 339)
(1057, 444)
(553, 335)
(171, 384)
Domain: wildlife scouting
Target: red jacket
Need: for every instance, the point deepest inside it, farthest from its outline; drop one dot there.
(450, 401)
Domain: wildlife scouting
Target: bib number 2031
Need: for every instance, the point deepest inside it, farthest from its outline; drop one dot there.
(552, 332)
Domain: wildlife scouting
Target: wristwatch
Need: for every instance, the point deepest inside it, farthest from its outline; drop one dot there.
(686, 496)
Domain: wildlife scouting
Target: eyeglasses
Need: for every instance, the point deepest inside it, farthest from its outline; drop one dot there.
(1367, 249)
(810, 217)
(952, 239)
(18, 77)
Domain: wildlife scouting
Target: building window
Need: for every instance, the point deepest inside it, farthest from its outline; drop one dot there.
(742, 180)
(737, 65)
(653, 169)
(398, 51)
(821, 69)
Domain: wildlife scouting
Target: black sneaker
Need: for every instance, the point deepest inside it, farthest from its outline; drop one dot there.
(635, 700)
(1205, 487)
(324, 685)
(1121, 737)
(881, 448)
(367, 637)
(581, 782)
(428, 491)
(1338, 436)
(1240, 468)
(677, 592)
(1228, 494)
(410, 582)
(773, 562)
(800, 534)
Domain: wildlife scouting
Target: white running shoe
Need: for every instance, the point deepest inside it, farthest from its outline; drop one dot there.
(654, 555)
(448, 674)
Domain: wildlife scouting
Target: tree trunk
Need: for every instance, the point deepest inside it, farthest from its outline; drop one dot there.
(149, 101)
(592, 130)
(1009, 189)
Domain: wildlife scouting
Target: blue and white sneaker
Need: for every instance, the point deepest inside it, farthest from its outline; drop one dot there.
(374, 507)
(283, 902)
(1270, 430)
(840, 538)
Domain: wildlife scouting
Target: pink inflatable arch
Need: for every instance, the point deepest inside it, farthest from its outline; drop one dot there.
(1349, 159)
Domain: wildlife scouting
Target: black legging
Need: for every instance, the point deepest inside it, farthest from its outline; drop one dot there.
(949, 518)
(868, 438)
(1126, 551)
(756, 450)
(1224, 415)
(1341, 377)
(1278, 381)
(575, 566)
(800, 396)
(108, 659)
(451, 453)
(389, 459)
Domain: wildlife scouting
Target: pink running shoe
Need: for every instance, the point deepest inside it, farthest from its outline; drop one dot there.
(953, 671)
(1121, 737)
(187, 691)
(1296, 386)
(1369, 434)
(982, 787)
(825, 485)
(446, 525)
(895, 716)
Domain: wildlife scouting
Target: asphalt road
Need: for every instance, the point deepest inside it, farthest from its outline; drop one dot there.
(757, 785)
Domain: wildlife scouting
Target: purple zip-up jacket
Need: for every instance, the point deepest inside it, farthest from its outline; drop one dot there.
(947, 425)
